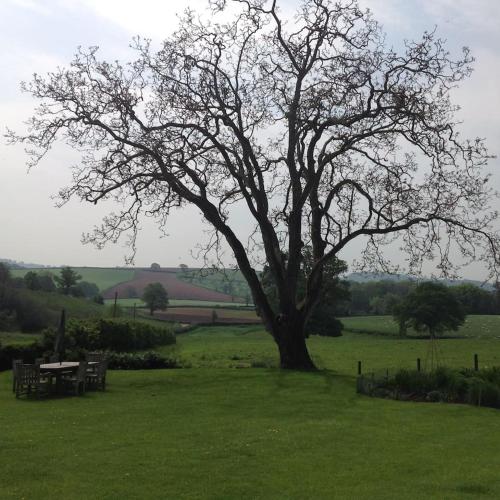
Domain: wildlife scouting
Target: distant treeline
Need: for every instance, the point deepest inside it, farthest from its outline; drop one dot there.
(380, 297)
(35, 301)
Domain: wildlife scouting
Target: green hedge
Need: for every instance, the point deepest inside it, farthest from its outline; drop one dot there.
(140, 361)
(481, 388)
(115, 335)
(94, 335)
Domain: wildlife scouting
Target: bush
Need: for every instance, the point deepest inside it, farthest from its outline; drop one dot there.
(480, 388)
(28, 353)
(140, 361)
(115, 335)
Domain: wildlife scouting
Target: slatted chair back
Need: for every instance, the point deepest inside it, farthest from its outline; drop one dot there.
(15, 364)
(101, 369)
(82, 371)
(28, 375)
(95, 356)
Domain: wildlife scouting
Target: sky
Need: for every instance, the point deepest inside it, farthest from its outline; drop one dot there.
(39, 35)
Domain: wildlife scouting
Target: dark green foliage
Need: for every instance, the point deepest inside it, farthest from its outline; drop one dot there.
(31, 280)
(85, 289)
(475, 300)
(323, 322)
(27, 352)
(334, 293)
(140, 361)
(107, 334)
(98, 299)
(481, 388)
(430, 307)
(155, 296)
(67, 279)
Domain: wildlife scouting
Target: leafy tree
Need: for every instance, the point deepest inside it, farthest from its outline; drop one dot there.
(430, 307)
(155, 267)
(85, 289)
(155, 296)
(31, 280)
(46, 282)
(310, 123)
(67, 279)
(475, 300)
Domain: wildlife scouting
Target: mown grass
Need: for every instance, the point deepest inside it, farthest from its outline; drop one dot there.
(223, 433)
(476, 326)
(104, 278)
(234, 346)
(218, 432)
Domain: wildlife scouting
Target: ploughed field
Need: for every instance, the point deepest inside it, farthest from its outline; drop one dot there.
(205, 315)
(131, 283)
(176, 288)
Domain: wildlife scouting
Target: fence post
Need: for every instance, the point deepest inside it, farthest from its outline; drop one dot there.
(114, 305)
(359, 367)
(418, 364)
(476, 362)
(134, 311)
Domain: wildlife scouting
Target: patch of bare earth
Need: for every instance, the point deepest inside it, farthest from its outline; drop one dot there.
(176, 288)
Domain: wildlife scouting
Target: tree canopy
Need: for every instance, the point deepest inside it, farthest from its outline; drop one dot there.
(430, 307)
(67, 279)
(155, 296)
(325, 134)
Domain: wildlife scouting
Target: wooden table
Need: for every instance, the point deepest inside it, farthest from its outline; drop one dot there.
(59, 369)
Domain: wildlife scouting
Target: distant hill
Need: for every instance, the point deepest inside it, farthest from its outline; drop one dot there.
(14, 264)
(367, 276)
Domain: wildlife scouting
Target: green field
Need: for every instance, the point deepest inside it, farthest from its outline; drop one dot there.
(217, 432)
(476, 326)
(8, 338)
(225, 281)
(104, 278)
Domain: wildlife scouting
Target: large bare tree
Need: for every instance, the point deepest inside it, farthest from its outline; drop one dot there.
(323, 133)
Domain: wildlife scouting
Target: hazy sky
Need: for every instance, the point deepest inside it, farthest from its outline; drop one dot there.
(39, 35)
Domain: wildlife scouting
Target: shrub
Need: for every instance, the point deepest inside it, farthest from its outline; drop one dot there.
(480, 388)
(28, 353)
(115, 335)
(140, 361)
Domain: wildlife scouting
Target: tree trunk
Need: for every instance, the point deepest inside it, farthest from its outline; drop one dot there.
(293, 349)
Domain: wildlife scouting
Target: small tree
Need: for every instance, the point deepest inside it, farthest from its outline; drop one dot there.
(67, 278)
(155, 266)
(430, 307)
(32, 281)
(155, 296)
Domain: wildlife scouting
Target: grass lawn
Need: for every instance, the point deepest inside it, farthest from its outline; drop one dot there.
(476, 326)
(218, 432)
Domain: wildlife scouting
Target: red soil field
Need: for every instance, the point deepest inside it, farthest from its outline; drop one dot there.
(176, 288)
(204, 315)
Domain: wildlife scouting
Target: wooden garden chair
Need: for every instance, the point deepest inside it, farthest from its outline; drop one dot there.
(15, 364)
(77, 383)
(28, 381)
(97, 378)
